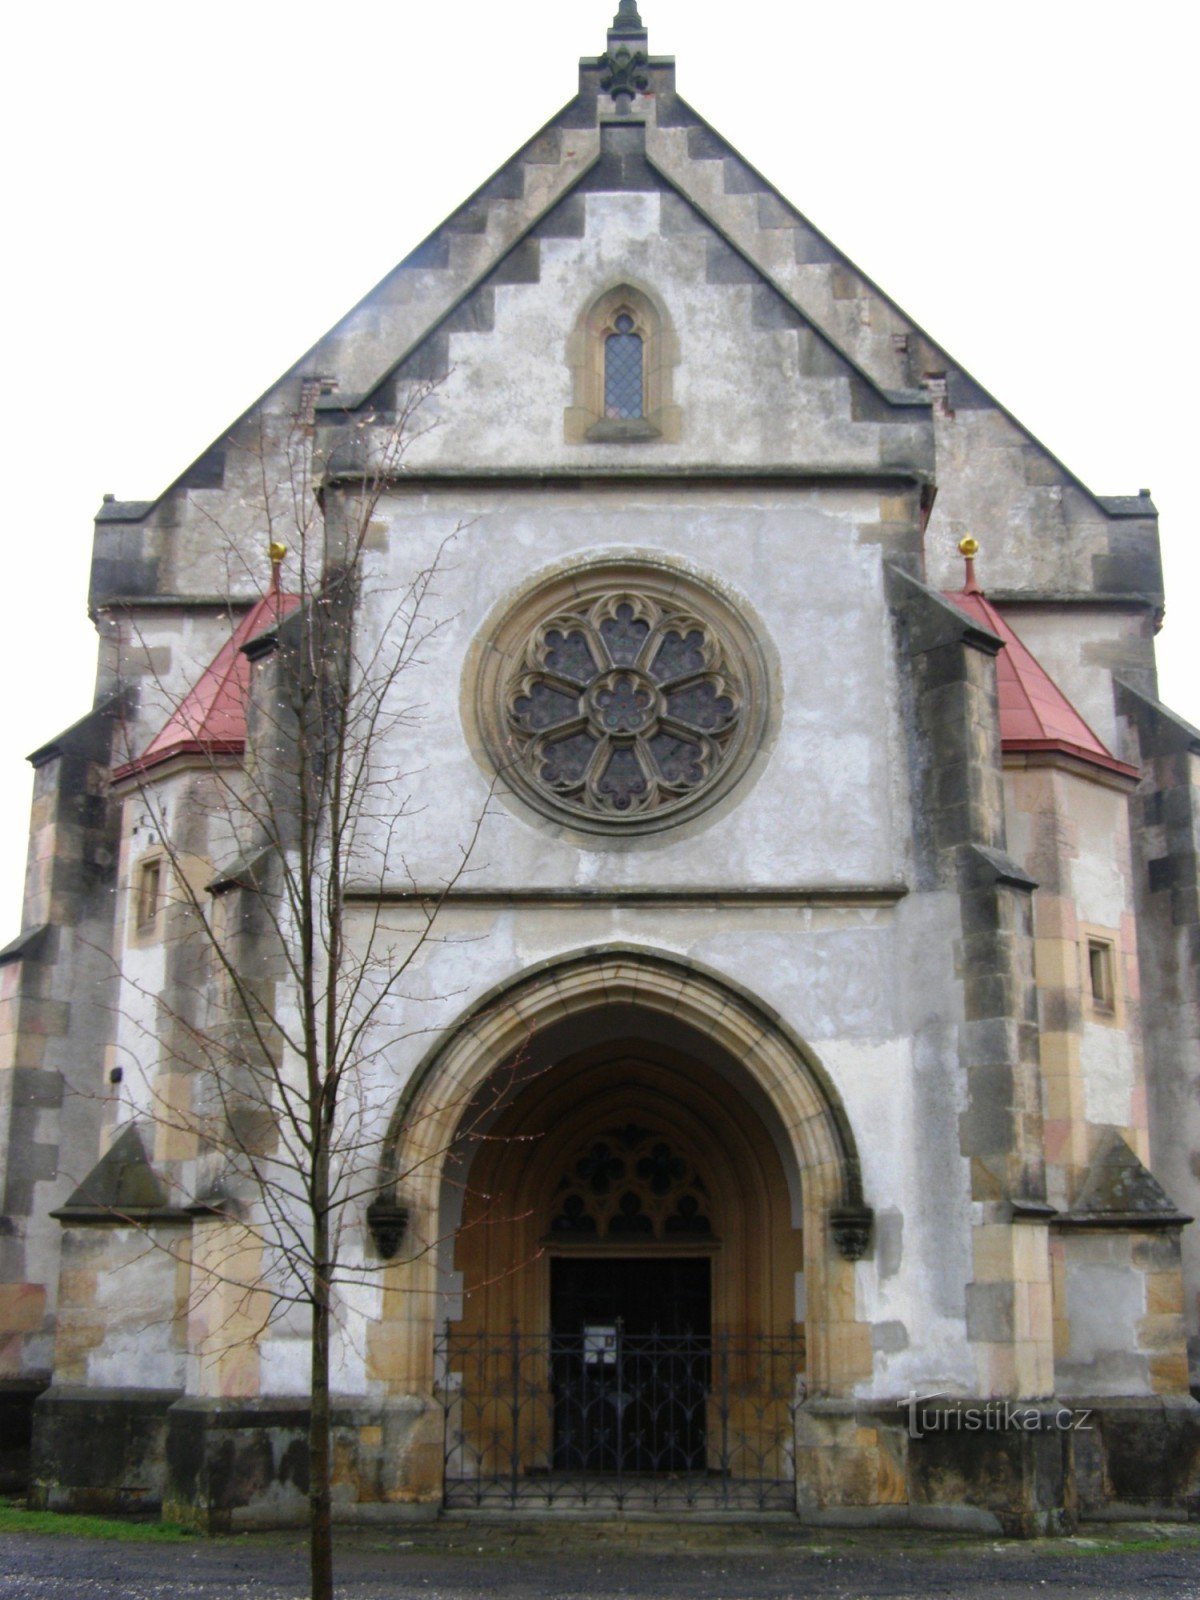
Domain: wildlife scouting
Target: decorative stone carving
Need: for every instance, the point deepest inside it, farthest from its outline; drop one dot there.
(388, 1222)
(629, 697)
(624, 68)
(624, 73)
(851, 1229)
(630, 1183)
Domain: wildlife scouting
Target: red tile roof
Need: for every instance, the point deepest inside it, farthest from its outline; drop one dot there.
(211, 717)
(1035, 715)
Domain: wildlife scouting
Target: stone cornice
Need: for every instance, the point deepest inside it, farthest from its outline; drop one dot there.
(704, 895)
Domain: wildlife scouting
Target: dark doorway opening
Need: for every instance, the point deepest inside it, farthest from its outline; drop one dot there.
(630, 1362)
(646, 1294)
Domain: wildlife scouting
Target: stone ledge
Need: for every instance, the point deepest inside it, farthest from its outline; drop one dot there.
(26, 946)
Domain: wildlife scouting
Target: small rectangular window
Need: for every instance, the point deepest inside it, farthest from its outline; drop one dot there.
(149, 891)
(1100, 974)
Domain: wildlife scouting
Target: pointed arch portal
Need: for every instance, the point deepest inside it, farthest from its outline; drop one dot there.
(621, 1105)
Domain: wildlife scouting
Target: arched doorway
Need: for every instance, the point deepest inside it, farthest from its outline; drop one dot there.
(732, 1204)
(629, 1255)
(631, 1149)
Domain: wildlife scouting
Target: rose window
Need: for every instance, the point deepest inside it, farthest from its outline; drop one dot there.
(624, 706)
(622, 696)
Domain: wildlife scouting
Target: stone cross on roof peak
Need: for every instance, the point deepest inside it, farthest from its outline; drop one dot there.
(625, 60)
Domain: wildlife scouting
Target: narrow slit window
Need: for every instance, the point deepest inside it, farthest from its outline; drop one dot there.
(623, 381)
(1100, 974)
(149, 892)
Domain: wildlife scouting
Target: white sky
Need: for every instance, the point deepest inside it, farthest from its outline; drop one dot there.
(195, 192)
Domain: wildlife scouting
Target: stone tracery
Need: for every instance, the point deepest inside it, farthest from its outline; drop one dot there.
(630, 1183)
(624, 704)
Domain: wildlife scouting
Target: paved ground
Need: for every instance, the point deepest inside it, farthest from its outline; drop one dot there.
(604, 1562)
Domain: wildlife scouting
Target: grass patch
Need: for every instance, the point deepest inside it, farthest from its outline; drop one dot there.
(14, 1519)
(1110, 1546)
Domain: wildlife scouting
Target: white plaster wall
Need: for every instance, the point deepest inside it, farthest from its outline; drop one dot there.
(917, 1336)
(135, 1298)
(1100, 877)
(1101, 869)
(359, 1301)
(824, 802)
(1106, 1058)
(285, 1356)
(143, 961)
(1106, 1300)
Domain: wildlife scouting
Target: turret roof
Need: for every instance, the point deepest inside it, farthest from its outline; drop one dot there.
(1035, 714)
(211, 717)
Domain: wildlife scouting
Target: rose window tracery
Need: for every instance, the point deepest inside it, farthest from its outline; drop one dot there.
(620, 696)
(624, 705)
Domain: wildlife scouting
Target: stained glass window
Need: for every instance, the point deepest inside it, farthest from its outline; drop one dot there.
(653, 1193)
(623, 370)
(620, 700)
(624, 705)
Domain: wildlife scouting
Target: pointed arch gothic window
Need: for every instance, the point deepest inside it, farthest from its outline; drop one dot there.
(622, 356)
(623, 368)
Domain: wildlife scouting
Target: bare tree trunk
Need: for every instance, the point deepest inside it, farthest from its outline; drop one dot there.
(311, 807)
(320, 1522)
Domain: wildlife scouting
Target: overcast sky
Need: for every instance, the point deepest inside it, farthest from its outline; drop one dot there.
(196, 192)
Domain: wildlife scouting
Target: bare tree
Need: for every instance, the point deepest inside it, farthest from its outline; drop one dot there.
(282, 1001)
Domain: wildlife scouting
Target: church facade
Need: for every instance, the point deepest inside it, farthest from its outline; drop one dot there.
(794, 1104)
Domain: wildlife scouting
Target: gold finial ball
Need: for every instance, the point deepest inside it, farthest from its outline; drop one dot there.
(968, 547)
(276, 552)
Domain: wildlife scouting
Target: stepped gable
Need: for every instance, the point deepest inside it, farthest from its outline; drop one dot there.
(1035, 715)
(493, 238)
(625, 165)
(211, 718)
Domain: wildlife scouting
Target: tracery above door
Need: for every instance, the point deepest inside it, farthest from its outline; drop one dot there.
(630, 1184)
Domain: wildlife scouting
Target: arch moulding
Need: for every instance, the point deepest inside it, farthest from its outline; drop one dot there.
(497, 1032)
(585, 418)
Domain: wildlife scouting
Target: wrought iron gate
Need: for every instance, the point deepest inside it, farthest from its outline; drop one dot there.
(605, 1419)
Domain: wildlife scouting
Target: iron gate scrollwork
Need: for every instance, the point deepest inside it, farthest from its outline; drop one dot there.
(610, 1420)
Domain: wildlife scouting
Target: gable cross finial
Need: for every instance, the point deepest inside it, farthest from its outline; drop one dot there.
(624, 63)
